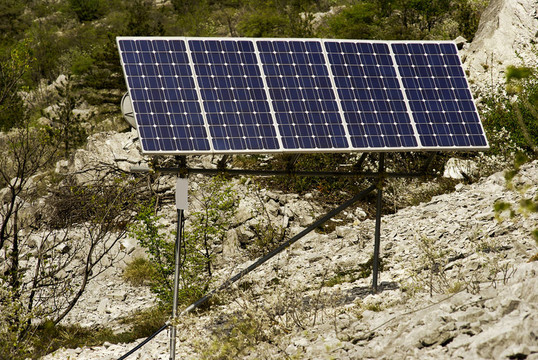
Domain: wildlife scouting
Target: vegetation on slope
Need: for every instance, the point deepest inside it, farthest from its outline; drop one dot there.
(41, 40)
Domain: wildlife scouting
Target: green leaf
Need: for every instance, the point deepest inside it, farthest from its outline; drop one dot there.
(510, 174)
(501, 206)
(520, 159)
(517, 72)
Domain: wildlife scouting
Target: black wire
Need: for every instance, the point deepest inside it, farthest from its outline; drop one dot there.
(148, 339)
(262, 260)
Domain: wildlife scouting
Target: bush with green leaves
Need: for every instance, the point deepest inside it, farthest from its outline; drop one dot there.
(205, 231)
(66, 124)
(519, 115)
(14, 340)
(14, 66)
(514, 109)
(88, 10)
(279, 18)
(526, 206)
(209, 226)
(406, 19)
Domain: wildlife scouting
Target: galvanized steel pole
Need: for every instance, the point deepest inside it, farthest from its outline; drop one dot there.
(377, 235)
(179, 240)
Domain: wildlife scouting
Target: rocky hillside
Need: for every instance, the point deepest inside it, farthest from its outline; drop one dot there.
(456, 282)
(311, 301)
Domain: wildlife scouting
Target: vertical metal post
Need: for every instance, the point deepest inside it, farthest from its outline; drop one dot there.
(182, 186)
(179, 241)
(377, 235)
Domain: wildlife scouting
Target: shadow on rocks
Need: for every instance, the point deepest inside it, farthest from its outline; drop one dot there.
(363, 291)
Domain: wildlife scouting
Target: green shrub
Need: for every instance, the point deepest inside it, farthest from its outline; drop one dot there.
(159, 247)
(359, 21)
(263, 24)
(279, 19)
(14, 66)
(517, 115)
(14, 339)
(525, 207)
(206, 230)
(88, 10)
(67, 126)
(405, 19)
(139, 272)
(48, 337)
(517, 72)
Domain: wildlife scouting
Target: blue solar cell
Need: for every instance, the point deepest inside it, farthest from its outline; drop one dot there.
(367, 84)
(158, 76)
(438, 94)
(233, 95)
(302, 95)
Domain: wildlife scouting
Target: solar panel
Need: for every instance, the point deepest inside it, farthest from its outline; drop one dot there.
(235, 102)
(240, 95)
(438, 94)
(302, 95)
(371, 97)
(162, 89)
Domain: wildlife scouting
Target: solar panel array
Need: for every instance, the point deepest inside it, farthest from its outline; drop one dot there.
(239, 95)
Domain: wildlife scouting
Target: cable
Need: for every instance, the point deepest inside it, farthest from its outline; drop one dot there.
(262, 260)
(148, 339)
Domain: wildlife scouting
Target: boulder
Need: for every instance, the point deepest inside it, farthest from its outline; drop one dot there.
(108, 149)
(460, 169)
(505, 36)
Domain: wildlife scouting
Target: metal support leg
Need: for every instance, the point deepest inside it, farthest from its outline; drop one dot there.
(377, 236)
(178, 246)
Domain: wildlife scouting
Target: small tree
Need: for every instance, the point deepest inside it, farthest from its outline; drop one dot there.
(24, 153)
(12, 70)
(207, 228)
(87, 10)
(211, 223)
(51, 249)
(66, 125)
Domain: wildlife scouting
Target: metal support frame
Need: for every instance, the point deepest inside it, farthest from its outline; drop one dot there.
(248, 172)
(377, 235)
(183, 171)
(181, 207)
(177, 251)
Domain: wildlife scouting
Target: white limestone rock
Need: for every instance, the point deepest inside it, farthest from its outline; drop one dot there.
(460, 168)
(505, 36)
(104, 149)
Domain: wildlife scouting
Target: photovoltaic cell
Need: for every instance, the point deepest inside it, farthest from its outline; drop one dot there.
(439, 98)
(233, 95)
(302, 95)
(162, 90)
(370, 95)
(238, 95)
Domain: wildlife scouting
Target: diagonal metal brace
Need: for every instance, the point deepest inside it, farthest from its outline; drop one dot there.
(280, 248)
